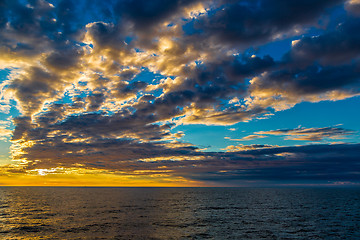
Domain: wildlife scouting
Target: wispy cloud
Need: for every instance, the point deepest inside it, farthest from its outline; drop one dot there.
(242, 147)
(246, 138)
(310, 134)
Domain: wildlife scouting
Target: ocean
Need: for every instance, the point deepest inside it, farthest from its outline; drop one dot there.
(179, 213)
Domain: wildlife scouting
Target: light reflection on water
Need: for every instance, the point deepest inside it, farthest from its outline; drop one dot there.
(179, 213)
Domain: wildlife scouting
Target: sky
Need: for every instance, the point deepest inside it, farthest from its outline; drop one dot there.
(180, 93)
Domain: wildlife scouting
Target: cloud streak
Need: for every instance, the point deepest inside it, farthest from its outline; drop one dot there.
(310, 134)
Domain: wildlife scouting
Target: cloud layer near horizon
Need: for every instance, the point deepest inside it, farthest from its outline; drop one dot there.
(102, 84)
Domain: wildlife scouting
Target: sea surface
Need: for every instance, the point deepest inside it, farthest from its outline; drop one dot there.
(179, 213)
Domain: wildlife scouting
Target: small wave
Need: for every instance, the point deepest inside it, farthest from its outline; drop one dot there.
(27, 229)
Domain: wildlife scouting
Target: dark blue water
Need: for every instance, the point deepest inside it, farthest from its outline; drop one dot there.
(179, 213)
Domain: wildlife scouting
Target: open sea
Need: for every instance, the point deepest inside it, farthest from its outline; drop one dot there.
(179, 213)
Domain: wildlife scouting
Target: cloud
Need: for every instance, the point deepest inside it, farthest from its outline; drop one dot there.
(318, 68)
(249, 22)
(104, 85)
(241, 147)
(333, 47)
(310, 134)
(145, 14)
(320, 164)
(104, 36)
(32, 87)
(5, 133)
(247, 138)
(353, 6)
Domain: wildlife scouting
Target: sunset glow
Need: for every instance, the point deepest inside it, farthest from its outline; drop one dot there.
(179, 93)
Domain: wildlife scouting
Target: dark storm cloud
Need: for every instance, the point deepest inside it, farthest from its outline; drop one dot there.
(106, 35)
(33, 87)
(250, 22)
(144, 14)
(37, 27)
(95, 101)
(209, 84)
(23, 124)
(92, 126)
(304, 164)
(64, 59)
(206, 86)
(323, 67)
(21, 28)
(336, 47)
(120, 137)
(232, 70)
(35, 38)
(312, 80)
(103, 136)
(116, 154)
